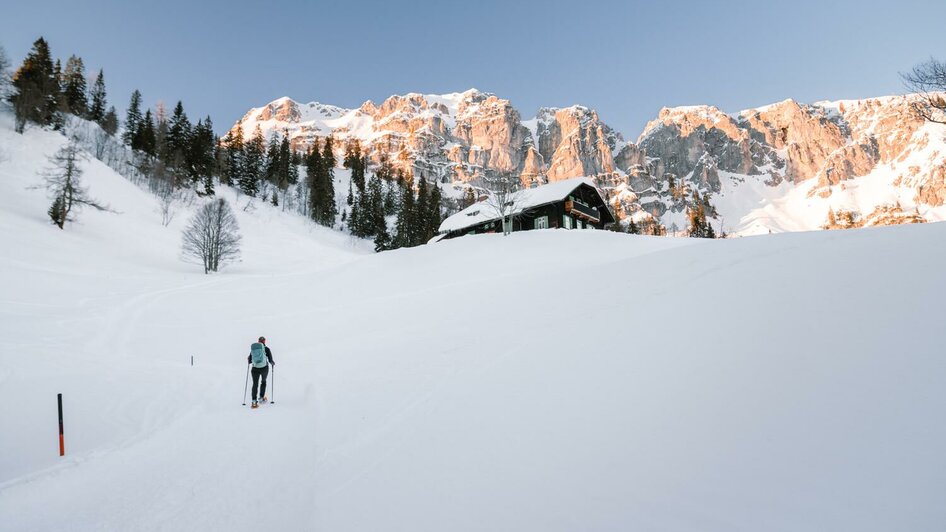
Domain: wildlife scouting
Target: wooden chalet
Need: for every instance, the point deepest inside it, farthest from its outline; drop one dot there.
(570, 204)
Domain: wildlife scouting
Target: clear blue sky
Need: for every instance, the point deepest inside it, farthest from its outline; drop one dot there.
(625, 59)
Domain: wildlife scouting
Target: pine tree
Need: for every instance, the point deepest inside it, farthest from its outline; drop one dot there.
(145, 138)
(699, 227)
(177, 138)
(97, 100)
(273, 160)
(378, 225)
(405, 218)
(434, 214)
(313, 172)
(355, 224)
(392, 195)
(326, 207)
(74, 87)
(37, 88)
(132, 118)
(235, 156)
(382, 241)
(292, 173)
(110, 122)
(254, 163)
(420, 224)
(199, 156)
(357, 164)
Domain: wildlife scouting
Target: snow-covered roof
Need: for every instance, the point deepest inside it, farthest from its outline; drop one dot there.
(528, 198)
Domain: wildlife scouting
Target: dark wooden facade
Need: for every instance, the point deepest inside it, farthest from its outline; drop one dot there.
(583, 208)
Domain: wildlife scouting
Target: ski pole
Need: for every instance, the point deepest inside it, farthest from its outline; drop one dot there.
(245, 382)
(272, 388)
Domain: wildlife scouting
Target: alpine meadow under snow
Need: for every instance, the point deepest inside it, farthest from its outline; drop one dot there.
(549, 380)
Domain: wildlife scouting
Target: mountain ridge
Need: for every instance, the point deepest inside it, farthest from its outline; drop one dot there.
(461, 137)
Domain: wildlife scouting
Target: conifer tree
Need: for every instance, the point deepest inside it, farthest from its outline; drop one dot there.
(327, 209)
(392, 194)
(145, 138)
(699, 227)
(37, 88)
(292, 173)
(434, 214)
(273, 160)
(233, 145)
(236, 152)
(377, 225)
(355, 225)
(356, 163)
(110, 122)
(254, 163)
(199, 157)
(382, 240)
(420, 224)
(177, 138)
(132, 118)
(285, 168)
(74, 87)
(313, 172)
(405, 217)
(97, 101)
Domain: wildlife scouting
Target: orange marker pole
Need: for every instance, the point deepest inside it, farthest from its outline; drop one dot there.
(62, 440)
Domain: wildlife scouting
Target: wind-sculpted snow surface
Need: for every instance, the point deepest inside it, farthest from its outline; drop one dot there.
(551, 380)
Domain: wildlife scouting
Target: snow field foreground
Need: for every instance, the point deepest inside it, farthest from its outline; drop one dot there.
(548, 380)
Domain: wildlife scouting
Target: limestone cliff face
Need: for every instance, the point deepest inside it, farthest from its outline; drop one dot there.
(490, 135)
(575, 142)
(823, 147)
(700, 141)
(453, 137)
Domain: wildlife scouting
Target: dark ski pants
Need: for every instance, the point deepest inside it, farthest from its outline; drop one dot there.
(257, 373)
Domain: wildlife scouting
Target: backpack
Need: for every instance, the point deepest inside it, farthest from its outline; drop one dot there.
(258, 355)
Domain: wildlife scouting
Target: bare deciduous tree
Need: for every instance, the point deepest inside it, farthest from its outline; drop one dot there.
(505, 193)
(928, 81)
(213, 236)
(63, 181)
(166, 201)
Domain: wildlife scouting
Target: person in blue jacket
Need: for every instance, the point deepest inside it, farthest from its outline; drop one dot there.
(261, 357)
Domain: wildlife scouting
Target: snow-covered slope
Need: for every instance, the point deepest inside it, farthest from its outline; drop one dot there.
(551, 380)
